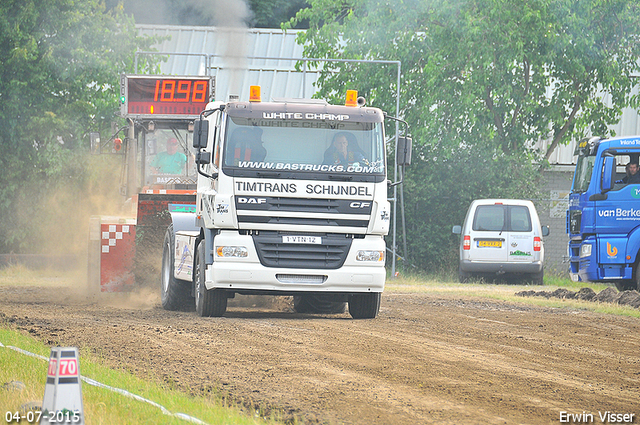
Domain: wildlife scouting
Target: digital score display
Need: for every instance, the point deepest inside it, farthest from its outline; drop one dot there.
(162, 96)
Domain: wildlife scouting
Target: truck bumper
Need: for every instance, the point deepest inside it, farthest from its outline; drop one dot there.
(588, 272)
(587, 269)
(259, 278)
(248, 274)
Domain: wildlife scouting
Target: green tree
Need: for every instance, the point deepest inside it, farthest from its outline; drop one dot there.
(272, 13)
(483, 81)
(59, 79)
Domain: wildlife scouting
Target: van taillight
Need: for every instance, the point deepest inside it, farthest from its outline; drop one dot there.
(467, 242)
(537, 243)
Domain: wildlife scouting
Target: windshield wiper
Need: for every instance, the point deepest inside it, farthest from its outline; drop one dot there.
(267, 174)
(340, 177)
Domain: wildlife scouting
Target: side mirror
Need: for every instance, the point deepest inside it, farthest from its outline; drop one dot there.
(545, 230)
(608, 174)
(403, 151)
(200, 134)
(203, 158)
(456, 230)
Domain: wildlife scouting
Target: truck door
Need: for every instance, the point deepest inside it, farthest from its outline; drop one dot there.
(617, 213)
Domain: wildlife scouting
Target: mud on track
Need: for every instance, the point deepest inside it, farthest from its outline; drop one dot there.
(425, 359)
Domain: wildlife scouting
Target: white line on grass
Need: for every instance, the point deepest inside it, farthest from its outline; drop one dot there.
(117, 390)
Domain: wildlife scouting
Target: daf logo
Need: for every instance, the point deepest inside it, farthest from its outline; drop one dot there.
(252, 200)
(360, 204)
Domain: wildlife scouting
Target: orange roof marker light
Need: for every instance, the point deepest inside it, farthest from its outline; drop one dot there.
(352, 98)
(254, 94)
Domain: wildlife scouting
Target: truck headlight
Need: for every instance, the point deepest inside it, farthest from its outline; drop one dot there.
(585, 250)
(370, 256)
(231, 251)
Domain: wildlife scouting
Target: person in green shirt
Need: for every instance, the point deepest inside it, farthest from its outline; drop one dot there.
(171, 161)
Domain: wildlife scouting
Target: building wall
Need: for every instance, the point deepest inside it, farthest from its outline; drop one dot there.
(552, 207)
(236, 59)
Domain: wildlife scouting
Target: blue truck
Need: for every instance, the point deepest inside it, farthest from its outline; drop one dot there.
(603, 219)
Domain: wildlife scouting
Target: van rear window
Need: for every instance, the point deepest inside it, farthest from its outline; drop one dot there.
(502, 218)
(519, 219)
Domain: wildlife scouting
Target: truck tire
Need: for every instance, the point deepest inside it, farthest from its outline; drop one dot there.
(630, 285)
(209, 302)
(364, 306)
(626, 285)
(318, 303)
(175, 294)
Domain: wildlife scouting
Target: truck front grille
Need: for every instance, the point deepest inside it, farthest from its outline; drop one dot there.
(304, 279)
(281, 211)
(331, 254)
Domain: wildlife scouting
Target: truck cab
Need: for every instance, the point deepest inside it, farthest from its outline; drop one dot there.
(291, 200)
(603, 220)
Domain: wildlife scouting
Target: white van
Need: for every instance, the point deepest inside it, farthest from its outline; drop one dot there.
(502, 237)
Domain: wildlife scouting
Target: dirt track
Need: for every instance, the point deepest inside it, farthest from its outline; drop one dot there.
(426, 359)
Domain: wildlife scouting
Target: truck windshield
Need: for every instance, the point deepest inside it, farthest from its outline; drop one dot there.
(582, 177)
(168, 157)
(353, 149)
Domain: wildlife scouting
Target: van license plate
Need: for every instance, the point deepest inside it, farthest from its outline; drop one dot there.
(302, 239)
(490, 244)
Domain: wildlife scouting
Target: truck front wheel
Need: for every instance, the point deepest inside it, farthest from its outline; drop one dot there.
(626, 285)
(175, 293)
(209, 302)
(630, 285)
(364, 306)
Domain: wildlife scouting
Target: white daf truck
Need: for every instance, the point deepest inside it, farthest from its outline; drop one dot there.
(291, 200)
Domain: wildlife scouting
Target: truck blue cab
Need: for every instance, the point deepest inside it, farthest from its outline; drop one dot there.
(603, 219)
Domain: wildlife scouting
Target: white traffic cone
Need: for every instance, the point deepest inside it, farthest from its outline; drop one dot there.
(63, 394)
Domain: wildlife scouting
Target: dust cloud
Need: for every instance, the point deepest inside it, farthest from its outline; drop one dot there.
(230, 17)
(231, 20)
(141, 298)
(57, 226)
(62, 231)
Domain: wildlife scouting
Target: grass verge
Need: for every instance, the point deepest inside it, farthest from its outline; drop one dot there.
(19, 275)
(23, 377)
(506, 292)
